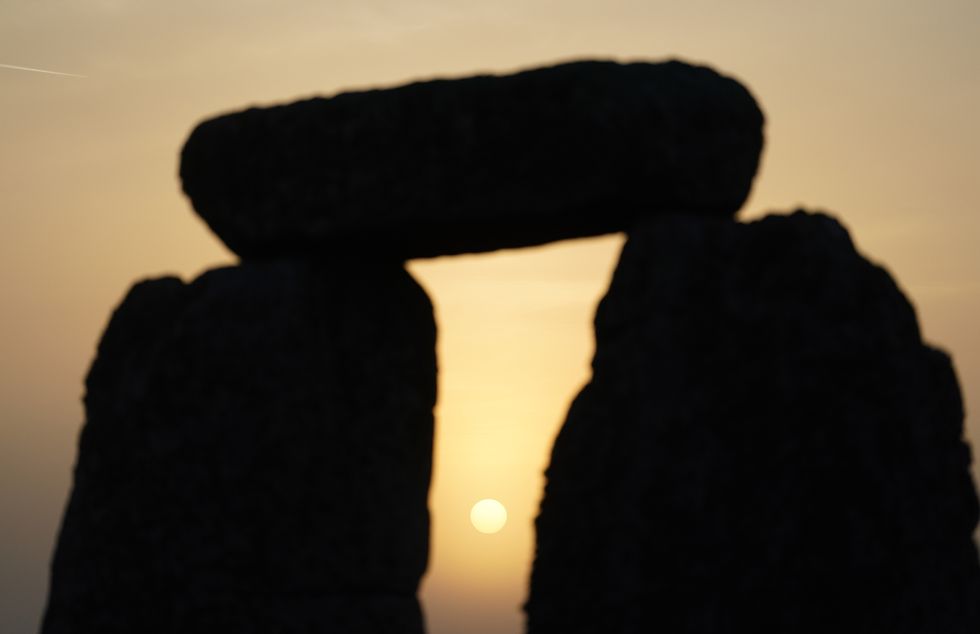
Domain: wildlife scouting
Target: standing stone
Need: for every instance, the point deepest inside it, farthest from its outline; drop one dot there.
(476, 164)
(256, 457)
(766, 446)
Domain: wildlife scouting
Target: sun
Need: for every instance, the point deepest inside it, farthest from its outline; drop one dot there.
(488, 516)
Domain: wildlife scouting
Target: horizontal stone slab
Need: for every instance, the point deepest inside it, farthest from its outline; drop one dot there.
(476, 164)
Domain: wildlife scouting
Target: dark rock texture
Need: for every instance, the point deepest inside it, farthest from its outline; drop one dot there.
(476, 164)
(766, 446)
(256, 457)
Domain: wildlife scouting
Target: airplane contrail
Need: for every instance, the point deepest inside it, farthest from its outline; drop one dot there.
(41, 70)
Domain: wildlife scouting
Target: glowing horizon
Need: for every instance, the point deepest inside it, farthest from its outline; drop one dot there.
(870, 113)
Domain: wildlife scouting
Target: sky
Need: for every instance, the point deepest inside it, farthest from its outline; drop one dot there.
(871, 115)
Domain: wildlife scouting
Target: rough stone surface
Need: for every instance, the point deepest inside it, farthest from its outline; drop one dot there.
(766, 446)
(256, 457)
(476, 164)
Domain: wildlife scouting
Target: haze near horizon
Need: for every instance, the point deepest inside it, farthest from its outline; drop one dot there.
(870, 115)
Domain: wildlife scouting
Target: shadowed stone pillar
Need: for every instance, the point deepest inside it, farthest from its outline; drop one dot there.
(255, 458)
(766, 445)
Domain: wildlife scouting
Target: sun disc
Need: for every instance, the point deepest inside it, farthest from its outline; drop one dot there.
(488, 516)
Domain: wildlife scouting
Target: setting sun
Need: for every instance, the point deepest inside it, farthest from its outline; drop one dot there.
(488, 516)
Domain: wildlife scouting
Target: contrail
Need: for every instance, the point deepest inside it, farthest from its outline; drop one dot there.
(41, 70)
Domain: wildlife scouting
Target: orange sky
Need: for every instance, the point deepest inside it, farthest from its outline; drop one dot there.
(871, 109)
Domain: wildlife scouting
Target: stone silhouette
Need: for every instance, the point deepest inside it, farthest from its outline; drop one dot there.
(476, 164)
(256, 456)
(766, 445)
